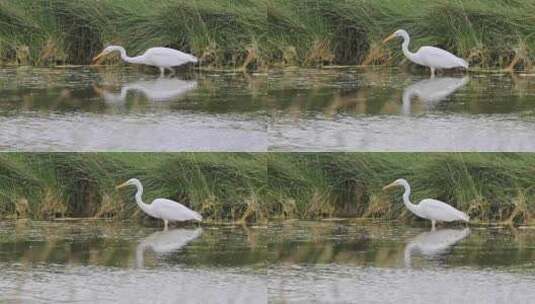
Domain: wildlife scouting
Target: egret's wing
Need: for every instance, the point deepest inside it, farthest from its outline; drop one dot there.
(168, 57)
(435, 209)
(440, 58)
(173, 211)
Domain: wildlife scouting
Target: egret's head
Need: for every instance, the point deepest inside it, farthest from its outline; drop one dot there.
(130, 182)
(399, 33)
(105, 52)
(400, 182)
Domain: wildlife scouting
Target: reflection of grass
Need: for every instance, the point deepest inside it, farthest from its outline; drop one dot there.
(259, 33)
(305, 243)
(379, 245)
(292, 92)
(79, 242)
(254, 187)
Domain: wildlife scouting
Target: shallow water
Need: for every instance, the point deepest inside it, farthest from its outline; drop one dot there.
(295, 261)
(337, 109)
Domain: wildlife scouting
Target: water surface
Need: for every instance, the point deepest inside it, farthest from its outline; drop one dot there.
(284, 262)
(336, 109)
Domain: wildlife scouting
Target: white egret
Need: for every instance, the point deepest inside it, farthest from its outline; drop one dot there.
(162, 208)
(160, 57)
(429, 56)
(431, 209)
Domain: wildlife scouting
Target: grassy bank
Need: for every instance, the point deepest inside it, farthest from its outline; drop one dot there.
(257, 187)
(261, 33)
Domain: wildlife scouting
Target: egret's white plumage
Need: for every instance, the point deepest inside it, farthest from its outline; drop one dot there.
(429, 56)
(161, 57)
(431, 209)
(162, 208)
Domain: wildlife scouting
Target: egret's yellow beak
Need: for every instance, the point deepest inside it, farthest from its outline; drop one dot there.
(96, 58)
(389, 38)
(389, 186)
(121, 185)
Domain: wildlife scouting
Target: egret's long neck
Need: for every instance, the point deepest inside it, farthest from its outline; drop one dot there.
(139, 201)
(405, 47)
(127, 58)
(412, 207)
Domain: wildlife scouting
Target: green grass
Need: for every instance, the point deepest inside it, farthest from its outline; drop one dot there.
(265, 33)
(261, 186)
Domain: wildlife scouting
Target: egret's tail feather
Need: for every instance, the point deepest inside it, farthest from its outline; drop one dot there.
(463, 63)
(197, 216)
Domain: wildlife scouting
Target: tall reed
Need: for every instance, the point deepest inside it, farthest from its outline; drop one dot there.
(260, 186)
(254, 34)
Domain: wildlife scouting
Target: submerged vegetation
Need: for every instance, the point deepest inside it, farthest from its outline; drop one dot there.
(244, 187)
(259, 33)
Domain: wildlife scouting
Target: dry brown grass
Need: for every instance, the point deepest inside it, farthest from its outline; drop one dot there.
(52, 205)
(23, 55)
(320, 53)
(22, 208)
(378, 207)
(254, 212)
(110, 207)
(376, 55)
(320, 205)
(520, 213)
(51, 52)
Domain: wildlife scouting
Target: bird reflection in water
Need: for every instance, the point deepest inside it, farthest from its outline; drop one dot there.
(434, 244)
(431, 91)
(160, 89)
(165, 242)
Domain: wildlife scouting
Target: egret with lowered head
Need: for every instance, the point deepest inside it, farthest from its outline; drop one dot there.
(429, 56)
(162, 208)
(160, 57)
(431, 209)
